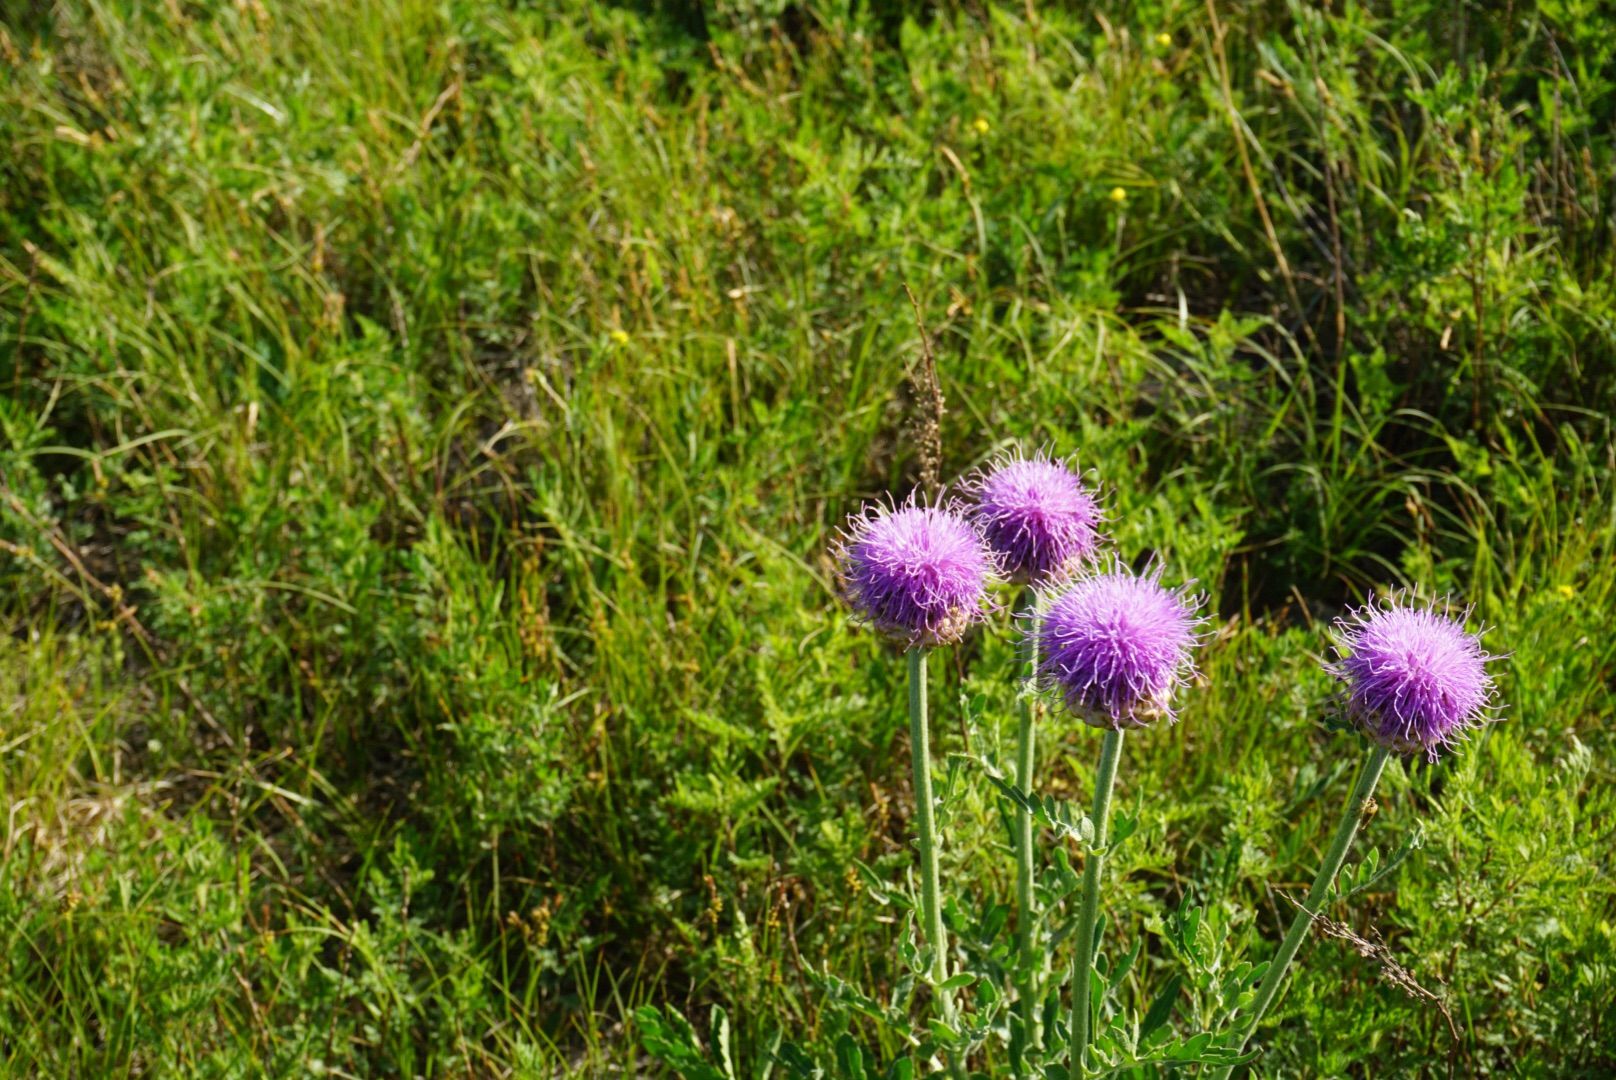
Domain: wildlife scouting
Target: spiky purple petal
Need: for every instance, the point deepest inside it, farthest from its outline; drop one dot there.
(1037, 514)
(1116, 645)
(916, 573)
(1415, 678)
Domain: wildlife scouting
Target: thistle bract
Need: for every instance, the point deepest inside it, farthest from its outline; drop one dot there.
(1116, 645)
(1415, 678)
(917, 573)
(1037, 514)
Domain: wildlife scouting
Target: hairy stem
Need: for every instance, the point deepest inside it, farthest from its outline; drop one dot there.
(1104, 778)
(1026, 915)
(1333, 858)
(925, 819)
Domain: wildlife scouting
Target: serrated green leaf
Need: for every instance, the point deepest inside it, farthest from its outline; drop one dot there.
(1370, 873)
(764, 1065)
(849, 1058)
(1124, 966)
(719, 1027)
(875, 887)
(1065, 821)
(1161, 1009)
(1191, 1049)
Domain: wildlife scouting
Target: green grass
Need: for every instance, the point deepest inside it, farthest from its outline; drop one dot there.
(423, 426)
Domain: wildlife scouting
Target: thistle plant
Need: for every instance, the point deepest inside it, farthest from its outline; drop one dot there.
(1414, 681)
(1041, 520)
(1115, 647)
(920, 574)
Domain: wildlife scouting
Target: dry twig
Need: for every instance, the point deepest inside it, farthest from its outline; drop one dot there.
(1393, 972)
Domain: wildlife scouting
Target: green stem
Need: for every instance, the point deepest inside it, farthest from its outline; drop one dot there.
(930, 903)
(1104, 778)
(1316, 895)
(1026, 915)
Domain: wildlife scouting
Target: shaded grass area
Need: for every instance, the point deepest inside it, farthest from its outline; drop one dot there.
(424, 425)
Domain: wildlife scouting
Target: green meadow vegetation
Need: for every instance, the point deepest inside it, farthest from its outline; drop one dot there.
(423, 431)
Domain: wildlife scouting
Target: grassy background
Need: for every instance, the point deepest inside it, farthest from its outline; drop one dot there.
(424, 423)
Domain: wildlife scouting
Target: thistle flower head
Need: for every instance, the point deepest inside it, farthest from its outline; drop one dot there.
(1415, 678)
(1037, 514)
(918, 573)
(1116, 645)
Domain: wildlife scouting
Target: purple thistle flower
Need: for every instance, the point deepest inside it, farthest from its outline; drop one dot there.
(1415, 678)
(917, 573)
(1116, 644)
(1037, 514)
